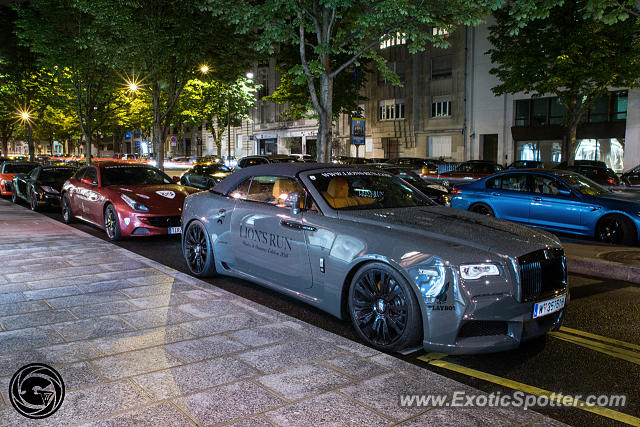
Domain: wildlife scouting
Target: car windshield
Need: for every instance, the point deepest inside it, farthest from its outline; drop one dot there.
(19, 167)
(284, 160)
(56, 176)
(582, 185)
(133, 175)
(358, 190)
(211, 169)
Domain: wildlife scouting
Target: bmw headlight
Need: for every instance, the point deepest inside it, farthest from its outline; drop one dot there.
(136, 206)
(477, 271)
(49, 190)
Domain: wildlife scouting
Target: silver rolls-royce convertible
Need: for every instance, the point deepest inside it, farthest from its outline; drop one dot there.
(362, 244)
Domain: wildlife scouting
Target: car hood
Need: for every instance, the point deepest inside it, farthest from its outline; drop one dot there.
(156, 196)
(619, 200)
(459, 229)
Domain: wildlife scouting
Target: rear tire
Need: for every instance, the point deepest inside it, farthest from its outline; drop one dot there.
(67, 216)
(111, 223)
(482, 209)
(616, 229)
(198, 250)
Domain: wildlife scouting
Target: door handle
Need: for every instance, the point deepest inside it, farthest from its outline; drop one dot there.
(495, 194)
(537, 199)
(595, 208)
(296, 225)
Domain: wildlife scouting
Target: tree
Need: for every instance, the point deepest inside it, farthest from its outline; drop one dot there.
(325, 30)
(568, 54)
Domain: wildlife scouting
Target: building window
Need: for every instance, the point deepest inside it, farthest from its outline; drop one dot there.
(391, 109)
(522, 112)
(440, 107)
(556, 115)
(440, 146)
(263, 80)
(393, 40)
(539, 111)
(440, 31)
(619, 108)
(441, 67)
(398, 68)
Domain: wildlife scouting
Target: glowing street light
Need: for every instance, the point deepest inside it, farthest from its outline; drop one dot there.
(204, 69)
(250, 75)
(24, 115)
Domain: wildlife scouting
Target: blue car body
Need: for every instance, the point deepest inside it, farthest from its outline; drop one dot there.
(549, 199)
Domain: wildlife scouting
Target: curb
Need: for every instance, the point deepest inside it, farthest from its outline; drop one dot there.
(603, 269)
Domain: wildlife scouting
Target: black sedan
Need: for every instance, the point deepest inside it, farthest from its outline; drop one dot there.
(600, 174)
(204, 176)
(632, 177)
(435, 192)
(41, 186)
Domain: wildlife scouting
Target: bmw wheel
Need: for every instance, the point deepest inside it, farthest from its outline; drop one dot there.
(67, 216)
(111, 223)
(482, 209)
(198, 251)
(33, 201)
(383, 308)
(616, 229)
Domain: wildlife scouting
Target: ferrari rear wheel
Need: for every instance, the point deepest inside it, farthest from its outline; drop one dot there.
(33, 201)
(198, 251)
(383, 308)
(616, 229)
(111, 223)
(67, 216)
(482, 209)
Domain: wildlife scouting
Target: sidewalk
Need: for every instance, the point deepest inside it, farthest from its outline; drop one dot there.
(139, 343)
(602, 260)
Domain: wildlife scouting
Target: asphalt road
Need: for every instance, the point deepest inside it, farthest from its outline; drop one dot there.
(607, 308)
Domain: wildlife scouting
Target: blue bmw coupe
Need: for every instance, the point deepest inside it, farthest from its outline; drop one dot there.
(555, 200)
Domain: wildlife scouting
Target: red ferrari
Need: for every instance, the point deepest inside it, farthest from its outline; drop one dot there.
(125, 199)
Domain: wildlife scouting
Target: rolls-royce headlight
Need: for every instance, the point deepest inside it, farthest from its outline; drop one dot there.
(476, 271)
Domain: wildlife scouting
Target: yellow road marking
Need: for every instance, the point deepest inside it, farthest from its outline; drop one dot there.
(600, 338)
(617, 352)
(605, 412)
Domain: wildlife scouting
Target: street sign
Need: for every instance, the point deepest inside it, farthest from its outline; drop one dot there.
(357, 131)
(173, 140)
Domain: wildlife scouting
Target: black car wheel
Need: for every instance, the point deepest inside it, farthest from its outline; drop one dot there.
(383, 308)
(616, 229)
(33, 201)
(111, 223)
(14, 196)
(67, 216)
(198, 251)
(482, 209)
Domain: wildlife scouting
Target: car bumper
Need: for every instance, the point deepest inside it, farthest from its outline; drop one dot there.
(140, 224)
(5, 188)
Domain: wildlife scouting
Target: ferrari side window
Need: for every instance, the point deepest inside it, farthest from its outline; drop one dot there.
(92, 174)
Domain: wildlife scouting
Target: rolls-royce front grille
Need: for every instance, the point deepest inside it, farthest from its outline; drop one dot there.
(163, 221)
(542, 273)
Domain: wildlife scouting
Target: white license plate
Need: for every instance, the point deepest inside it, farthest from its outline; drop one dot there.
(175, 230)
(547, 307)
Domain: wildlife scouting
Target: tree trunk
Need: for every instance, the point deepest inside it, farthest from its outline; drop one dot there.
(572, 142)
(158, 140)
(325, 130)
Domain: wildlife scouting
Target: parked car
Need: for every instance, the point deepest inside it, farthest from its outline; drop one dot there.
(555, 200)
(422, 167)
(526, 164)
(126, 199)
(598, 163)
(437, 193)
(41, 186)
(361, 244)
(8, 169)
(631, 177)
(601, 175)
(245, 162)
(204, 176)
(346, 160)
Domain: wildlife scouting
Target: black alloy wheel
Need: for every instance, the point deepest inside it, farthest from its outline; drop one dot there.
(383, 308)
(111, 223)
(198, 251)
(33, 201)
(616, 229)
(14, 196)
(482, 209)
(67, 216)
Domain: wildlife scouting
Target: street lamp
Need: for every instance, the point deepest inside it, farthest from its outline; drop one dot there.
(24, 115)
(204, 69)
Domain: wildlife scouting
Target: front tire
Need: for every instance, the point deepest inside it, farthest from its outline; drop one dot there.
(111, 223)
(616, 229)
(14, 196)
(33, 201)
(198, 250)
(482, 209)
(67, 216)
(383, 308)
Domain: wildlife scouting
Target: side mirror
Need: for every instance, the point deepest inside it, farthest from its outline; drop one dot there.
(87, 181)
(293, 201)
(176, 179)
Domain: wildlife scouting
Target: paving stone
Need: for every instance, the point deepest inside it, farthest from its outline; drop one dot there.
(279, 356)
(251, 422)
(62, 291)
(103, 286)
(191, 378)
(97, 310)
(56, 355)
(164, 414)
(479, 417)
(51, 274)
(228, 402)
(140, 339)
(22, 307)
(86, 299)
(209, 308)
(12, 287)
(25, 339)
(65, 281)
(11, 297)
(92, 328)
(113, 275)
(122, 265)
(329, 409)
(368, 393)
(231, 322)
(78, 375)
(135, 362)
(263, 335)
(157, 279)
(152, 318)
(204, 348)
(355, 366)
(165, 288)
(303, 381)
(198, 294)
(28, 320)
(163, 300)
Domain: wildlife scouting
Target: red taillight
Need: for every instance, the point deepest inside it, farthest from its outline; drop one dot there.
(455, 191)
(611, 181)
